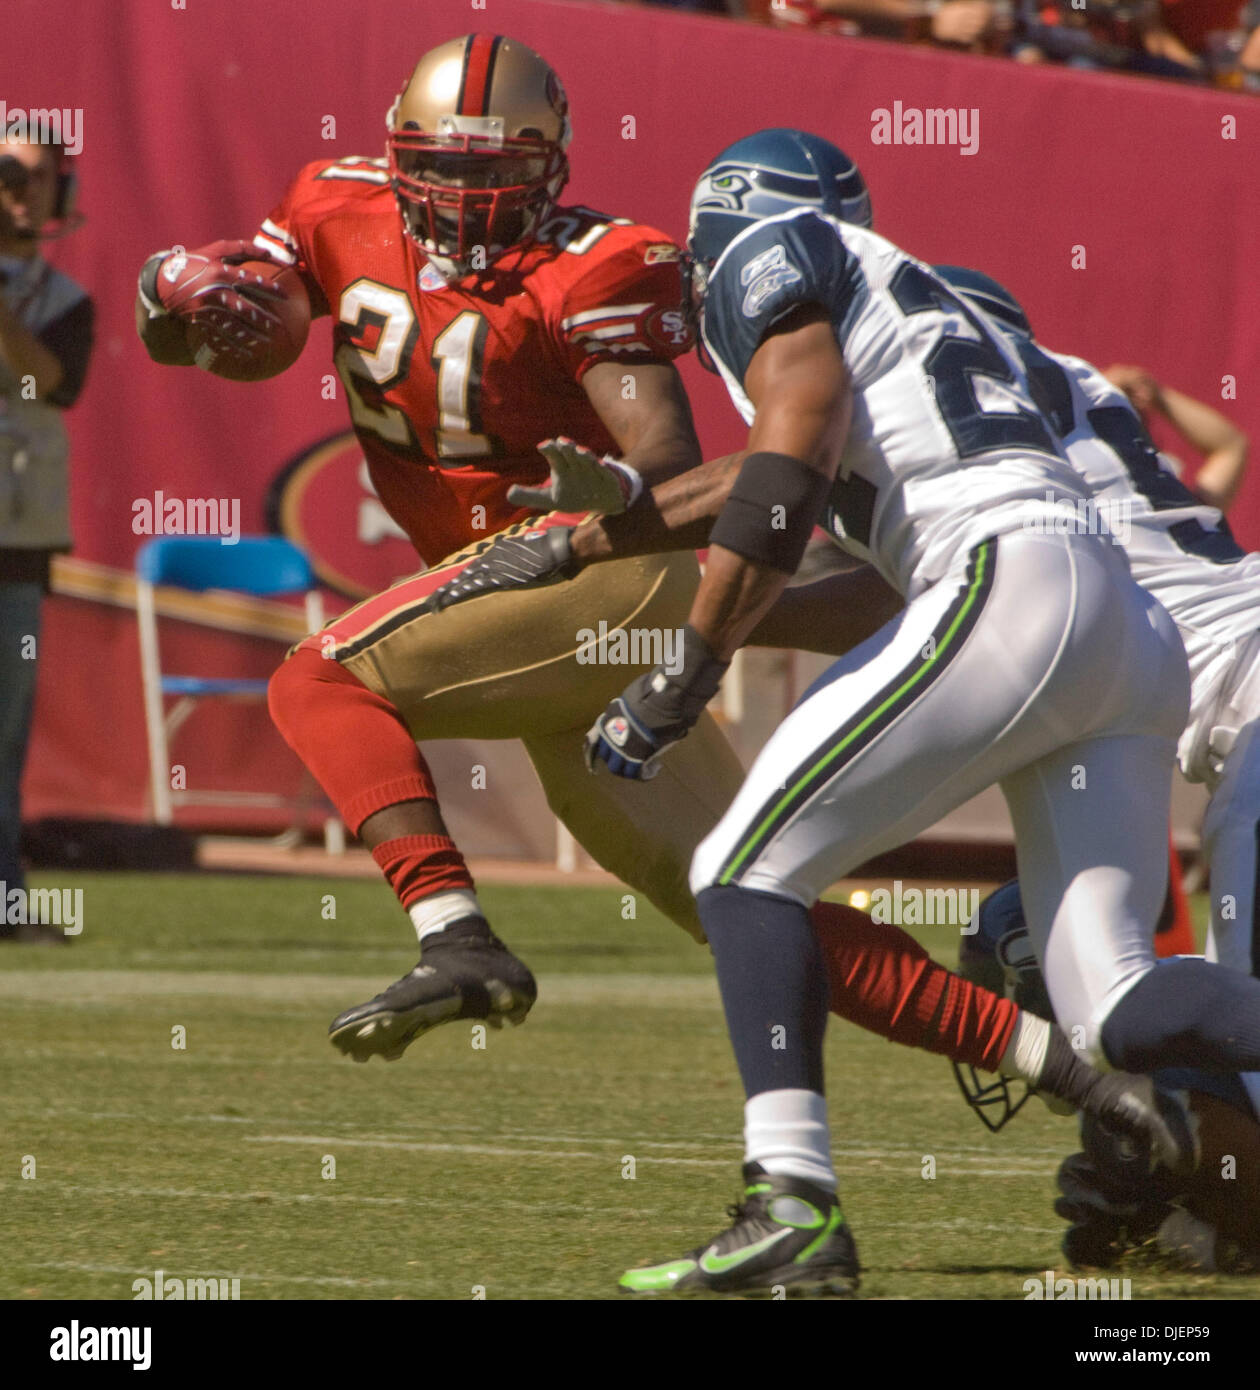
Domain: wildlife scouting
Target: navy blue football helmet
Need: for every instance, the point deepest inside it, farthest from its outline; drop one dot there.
(770, 172)
(986, 294)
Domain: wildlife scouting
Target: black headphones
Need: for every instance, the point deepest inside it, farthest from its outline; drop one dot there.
(67, 196)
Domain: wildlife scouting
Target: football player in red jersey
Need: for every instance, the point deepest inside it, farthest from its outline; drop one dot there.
(474, 317)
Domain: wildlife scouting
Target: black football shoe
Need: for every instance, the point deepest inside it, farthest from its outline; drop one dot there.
(462, 973)
(789, 1239)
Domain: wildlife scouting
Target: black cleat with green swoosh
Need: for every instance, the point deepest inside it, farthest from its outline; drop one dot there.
(789, 1240)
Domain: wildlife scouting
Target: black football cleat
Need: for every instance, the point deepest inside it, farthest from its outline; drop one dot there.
(456, 978)
(1159, 1122)
(789, 1239)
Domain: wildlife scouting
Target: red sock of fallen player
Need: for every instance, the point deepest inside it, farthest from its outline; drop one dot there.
(363, 755)
(418, 866)
(884, 981)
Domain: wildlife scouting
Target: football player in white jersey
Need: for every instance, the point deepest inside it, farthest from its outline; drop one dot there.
(1183, 553)
(1024, 657)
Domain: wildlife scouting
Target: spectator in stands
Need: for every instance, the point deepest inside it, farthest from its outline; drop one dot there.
(731, 7)
(982, 25)
(1218, 38)
(1191, 40)
(1222, 444)
(45, 342)
(1128, 35)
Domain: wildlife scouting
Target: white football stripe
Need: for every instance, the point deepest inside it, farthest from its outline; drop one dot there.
(609, 311)
(365, 175)
(635, 346)
(273, 229)
(274, 250)
(622, 330)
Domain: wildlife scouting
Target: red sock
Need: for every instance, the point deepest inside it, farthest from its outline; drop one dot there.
(418, 866)
(883, 980)
(354, 742)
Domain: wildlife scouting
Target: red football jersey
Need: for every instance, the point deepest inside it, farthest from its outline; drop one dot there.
(452, 386)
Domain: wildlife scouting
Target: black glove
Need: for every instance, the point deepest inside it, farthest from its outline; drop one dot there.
(525, 560)
(657, 710)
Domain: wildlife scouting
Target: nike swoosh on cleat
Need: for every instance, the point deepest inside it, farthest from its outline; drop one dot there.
(719, 1264)
(657, 1278)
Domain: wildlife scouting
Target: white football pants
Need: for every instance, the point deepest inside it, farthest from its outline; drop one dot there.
(1038, 664)
(1231, 828)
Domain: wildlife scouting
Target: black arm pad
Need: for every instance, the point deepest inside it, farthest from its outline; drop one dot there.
(771, 511)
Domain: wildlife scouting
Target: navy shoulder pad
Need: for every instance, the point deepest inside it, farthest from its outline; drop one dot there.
(770, 271)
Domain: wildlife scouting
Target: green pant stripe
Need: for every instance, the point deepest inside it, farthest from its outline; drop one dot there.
(885, 706)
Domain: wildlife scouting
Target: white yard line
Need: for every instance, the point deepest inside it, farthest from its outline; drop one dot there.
(77, 1267)
(1017, 1159)
(472, 1150)
(84, 989)
(611, 1156)
(47, 1187)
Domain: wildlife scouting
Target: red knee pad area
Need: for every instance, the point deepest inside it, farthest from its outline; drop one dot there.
(353, 740)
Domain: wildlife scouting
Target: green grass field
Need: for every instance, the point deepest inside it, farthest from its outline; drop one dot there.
(504, 1168)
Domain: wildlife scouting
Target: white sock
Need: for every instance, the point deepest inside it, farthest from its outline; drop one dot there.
(1025, 1055)
(436, 913)
(786, 1132)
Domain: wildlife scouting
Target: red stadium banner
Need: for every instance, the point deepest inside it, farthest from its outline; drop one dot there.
(1122, 211)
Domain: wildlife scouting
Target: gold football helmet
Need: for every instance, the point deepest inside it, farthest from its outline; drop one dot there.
(477, 142)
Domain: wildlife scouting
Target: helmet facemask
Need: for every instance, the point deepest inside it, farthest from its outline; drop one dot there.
(467, 186)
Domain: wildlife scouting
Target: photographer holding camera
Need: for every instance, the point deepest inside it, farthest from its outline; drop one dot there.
(46, 323)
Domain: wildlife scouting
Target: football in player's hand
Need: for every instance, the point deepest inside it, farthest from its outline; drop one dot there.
(247, 319)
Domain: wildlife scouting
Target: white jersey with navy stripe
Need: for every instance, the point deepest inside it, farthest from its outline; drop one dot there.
(1179, 550)
(946, 445)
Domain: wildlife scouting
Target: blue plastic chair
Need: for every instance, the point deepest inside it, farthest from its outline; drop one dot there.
(261, 566)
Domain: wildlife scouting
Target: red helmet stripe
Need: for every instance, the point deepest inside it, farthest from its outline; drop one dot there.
(474, 87)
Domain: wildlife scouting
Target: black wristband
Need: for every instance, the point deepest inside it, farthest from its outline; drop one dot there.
(1063, 1074)
(671, 702)
(771, 511)
(701, 672)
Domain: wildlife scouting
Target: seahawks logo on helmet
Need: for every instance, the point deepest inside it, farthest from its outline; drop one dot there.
(722, 187)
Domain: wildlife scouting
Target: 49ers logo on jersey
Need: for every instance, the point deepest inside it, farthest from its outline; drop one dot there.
(669, 328)
(324, 501)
